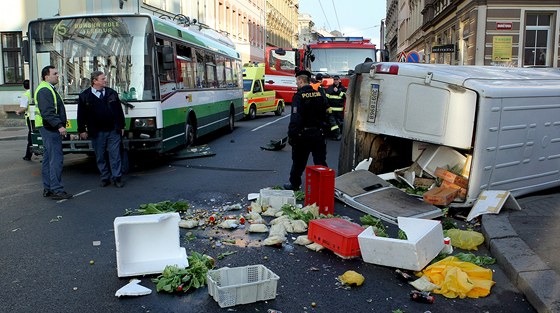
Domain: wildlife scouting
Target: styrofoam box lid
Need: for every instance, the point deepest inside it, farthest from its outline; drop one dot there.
(145, 244)
(440, 156)
(276, 193)
(425, 241)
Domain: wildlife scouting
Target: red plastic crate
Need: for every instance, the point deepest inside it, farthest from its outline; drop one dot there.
(319, 188)
(336, 234)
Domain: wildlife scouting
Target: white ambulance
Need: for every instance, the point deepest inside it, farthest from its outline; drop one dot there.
(504, 121)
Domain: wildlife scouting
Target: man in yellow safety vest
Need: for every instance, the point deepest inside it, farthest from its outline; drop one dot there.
(50, 118)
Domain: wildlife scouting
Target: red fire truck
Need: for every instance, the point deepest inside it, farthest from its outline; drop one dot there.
(338, 55)
(280, 68)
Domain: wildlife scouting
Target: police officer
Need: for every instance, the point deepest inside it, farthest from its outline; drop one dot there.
(336, 93)
(306, 129)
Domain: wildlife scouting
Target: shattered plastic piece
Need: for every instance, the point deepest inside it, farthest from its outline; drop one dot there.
(364, 164)
(258, 228)
(253, 196)
(236, 206)
(424, 284)
(351, 278)
(303, 240)
(96, 243)
(299, 226)
(133, 289)
(188, 223)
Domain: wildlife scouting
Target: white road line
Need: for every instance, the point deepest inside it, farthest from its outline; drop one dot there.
(78, 194)
(264, 125)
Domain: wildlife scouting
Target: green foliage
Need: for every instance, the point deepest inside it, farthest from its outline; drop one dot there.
(296, 213)
(159, 207)
(224, 254)
(175, 279)
(378, 227)
(299, 195)
(478, 260)
(402, 235)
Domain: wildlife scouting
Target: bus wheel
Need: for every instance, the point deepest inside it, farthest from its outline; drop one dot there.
(231, 120)
(279, 109)
(190, 132)
(252, 112)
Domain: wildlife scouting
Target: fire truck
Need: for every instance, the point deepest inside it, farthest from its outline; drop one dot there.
(281, 66)
(338, 55)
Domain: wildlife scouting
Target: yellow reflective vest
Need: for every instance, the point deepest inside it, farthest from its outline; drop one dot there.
(38, 117)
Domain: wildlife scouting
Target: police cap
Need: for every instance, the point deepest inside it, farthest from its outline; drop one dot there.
(336, 77)
(304, 72)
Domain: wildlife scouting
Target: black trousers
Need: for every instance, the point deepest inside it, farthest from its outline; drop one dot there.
(28, 152)
(301, 148)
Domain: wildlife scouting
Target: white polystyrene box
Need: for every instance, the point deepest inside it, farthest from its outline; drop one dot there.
(440, 156)
(276, 198)
(145, 244)
(425, 241)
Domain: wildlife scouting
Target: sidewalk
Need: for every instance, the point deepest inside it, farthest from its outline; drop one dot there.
(526, 245)
(13, 133)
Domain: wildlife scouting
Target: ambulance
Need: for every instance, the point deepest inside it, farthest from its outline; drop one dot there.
(257, 99)
(500, 126)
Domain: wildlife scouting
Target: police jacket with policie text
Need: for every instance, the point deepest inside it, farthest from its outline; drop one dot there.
(309, 111)
(336, 98)
(95, 114)
(52, 113)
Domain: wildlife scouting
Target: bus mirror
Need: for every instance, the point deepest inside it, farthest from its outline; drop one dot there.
(280, 51)
(25, 50)
(312, 58)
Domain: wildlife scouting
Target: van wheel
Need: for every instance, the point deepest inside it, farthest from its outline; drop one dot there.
(231, 120)
(279, 109)
(190, 132)
(252, 112)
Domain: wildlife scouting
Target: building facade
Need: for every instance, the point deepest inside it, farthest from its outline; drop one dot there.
(518, 33)
(250, 24)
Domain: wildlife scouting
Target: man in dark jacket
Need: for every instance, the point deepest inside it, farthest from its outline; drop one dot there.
(336, 93)
(101, 118)
(306, 129)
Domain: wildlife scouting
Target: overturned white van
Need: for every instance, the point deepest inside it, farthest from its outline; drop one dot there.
(506, 120)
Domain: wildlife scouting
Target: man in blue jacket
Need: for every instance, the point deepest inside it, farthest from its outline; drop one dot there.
(101, 118)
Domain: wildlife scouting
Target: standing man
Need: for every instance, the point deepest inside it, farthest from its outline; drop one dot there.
(101, 118)
(336, 93)
(306, 129)
(24, 107)
(50, 118)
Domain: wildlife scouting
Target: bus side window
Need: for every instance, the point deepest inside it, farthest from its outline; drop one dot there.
(200, 70)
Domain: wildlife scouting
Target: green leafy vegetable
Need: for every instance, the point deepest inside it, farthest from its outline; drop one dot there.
(175, 279)
(378, 227)
(224, 254)
(478, 260)
(159, 207)
(297, 213)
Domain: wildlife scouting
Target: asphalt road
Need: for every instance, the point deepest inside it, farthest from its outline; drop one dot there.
(46, 246)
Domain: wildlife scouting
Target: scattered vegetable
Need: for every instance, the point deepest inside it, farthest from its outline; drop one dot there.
(159, 207)
(175, 279)
(224, 254)
(378, 227)
(478, 260)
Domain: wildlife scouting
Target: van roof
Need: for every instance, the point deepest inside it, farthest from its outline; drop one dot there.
(489, 81)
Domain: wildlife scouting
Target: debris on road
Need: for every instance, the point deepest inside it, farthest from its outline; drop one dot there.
(465, 239)
(133, 288)
(351, 278)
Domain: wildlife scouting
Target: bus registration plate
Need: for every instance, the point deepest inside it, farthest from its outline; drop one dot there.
(374, 97)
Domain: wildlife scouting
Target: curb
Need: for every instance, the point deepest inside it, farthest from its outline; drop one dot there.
(525, 269)
(13, 138)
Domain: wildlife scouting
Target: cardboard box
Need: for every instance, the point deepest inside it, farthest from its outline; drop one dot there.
(337, 235)
(145, 244)
(425, 241)
(440, 195)
(462, 192)
(452, 178)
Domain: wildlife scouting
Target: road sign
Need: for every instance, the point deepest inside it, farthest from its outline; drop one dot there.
(413, 57)
(402, 57)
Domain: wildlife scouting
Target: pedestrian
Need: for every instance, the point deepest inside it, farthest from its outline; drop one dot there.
(306, 129)
(24, 108)
(101, 119)
(336, 93)
(50, 118)
(317, 82)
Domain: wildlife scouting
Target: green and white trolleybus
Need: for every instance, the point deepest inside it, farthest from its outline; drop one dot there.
(176, 82)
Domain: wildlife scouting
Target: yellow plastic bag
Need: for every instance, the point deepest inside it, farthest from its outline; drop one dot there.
(465, 239)
(351, 278)
(459, 279)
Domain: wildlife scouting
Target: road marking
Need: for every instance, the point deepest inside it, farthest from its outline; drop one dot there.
(264, 125)
(78, 194)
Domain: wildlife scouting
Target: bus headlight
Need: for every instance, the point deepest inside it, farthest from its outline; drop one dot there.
(145, 122)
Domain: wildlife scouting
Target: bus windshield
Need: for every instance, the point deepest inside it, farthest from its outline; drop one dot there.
(119, 46)
(339, 61)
